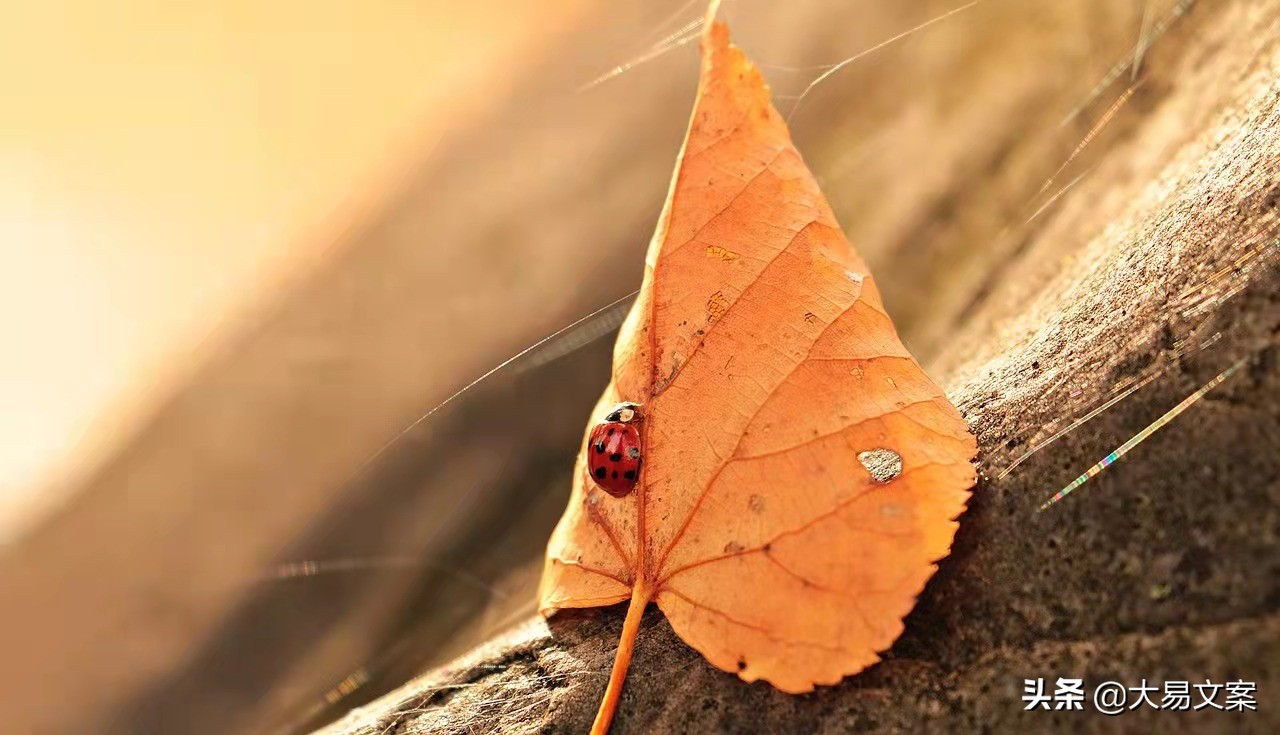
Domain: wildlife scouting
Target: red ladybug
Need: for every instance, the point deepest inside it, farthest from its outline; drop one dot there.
(613, 451)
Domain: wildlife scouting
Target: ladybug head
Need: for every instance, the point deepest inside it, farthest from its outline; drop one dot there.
(625, 413)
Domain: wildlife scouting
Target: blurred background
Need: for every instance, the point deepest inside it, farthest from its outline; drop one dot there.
(245, 246)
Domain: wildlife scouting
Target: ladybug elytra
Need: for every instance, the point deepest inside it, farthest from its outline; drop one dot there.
(613, 451)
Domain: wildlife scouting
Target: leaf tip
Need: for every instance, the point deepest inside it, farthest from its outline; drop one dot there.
(713, 8)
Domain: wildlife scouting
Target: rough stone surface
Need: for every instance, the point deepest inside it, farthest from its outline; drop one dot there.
(1162, 264)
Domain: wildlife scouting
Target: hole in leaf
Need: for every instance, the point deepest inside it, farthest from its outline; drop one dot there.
(883, 464)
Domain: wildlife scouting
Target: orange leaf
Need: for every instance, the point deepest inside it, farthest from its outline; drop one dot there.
(801, 474)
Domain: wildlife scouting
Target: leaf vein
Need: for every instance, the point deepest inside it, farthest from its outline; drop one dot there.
(803, 527)
(749, 626)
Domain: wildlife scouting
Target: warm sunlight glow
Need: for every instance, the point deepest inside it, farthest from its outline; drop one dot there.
(160, 164)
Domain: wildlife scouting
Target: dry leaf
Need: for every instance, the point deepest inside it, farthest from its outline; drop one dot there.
(801, 474)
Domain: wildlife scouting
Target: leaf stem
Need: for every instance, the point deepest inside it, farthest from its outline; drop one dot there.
(641, 593)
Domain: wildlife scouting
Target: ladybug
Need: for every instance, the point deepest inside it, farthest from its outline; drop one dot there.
(613, 451)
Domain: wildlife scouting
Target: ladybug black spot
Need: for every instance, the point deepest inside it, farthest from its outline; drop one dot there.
(609, 433)
(599, 447)
(615, 457)
(615, 474)
(600, 472)
(629, 474)
(634, 452)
